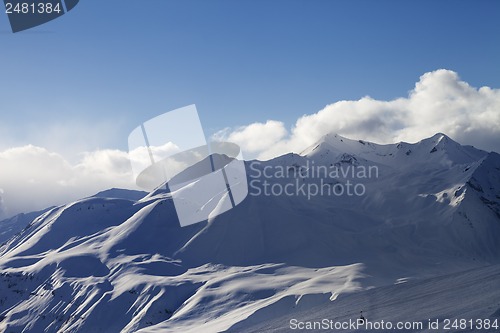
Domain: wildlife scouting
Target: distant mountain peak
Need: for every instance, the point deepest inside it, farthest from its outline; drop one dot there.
(438, 138)
(439, 148)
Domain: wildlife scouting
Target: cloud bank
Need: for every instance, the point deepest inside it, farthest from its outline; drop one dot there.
(33, 178)
(439, 102)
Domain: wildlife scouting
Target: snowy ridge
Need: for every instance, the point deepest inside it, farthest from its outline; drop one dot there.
(120, 262)
(439, 149)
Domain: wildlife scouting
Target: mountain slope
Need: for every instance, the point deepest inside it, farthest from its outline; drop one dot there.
(428, 209)
(14, 225)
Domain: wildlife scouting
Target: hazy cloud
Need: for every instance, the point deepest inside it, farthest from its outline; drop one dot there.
(33, 178)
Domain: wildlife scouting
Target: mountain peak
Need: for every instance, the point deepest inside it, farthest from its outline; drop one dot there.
(332, 138)
(440, 147)
(439, 138)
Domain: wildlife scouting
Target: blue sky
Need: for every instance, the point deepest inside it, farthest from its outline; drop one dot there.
(88, 78)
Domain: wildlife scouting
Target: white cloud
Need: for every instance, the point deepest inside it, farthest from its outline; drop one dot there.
(439, 102)
(255, 137)
(34, 178)
(140, 157)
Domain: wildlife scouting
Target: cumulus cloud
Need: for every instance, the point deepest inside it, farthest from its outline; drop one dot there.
(439, 102)
(33, 178)
(255, 137)
(141, 156)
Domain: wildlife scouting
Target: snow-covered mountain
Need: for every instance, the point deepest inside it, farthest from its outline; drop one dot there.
(428, 219)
